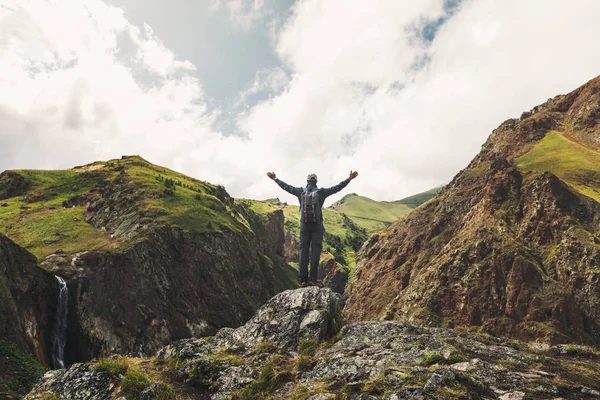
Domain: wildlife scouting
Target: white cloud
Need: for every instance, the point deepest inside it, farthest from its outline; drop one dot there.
(68, 95)
(267, 82)
(242, 13)
(356, 100)
(348, 95)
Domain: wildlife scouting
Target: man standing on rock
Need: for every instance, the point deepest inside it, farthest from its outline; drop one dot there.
(311, 200)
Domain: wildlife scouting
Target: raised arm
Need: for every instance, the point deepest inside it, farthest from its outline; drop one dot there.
(334, 189)
(296, 191)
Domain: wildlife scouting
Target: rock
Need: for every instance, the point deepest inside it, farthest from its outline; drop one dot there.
(12, 184)
(292, 316)
(27, 303)
(332, 275)
(513, 396)
(590, 391)
(4, 205)
(80, 382)
(367, 360)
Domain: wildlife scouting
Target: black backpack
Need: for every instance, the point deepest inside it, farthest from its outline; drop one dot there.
(310, 207)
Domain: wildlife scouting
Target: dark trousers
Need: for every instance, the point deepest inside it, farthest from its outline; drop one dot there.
(311, 237)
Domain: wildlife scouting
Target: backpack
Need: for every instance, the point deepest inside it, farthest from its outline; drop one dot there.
(310, 207)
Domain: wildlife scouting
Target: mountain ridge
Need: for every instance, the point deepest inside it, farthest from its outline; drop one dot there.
(503, 248)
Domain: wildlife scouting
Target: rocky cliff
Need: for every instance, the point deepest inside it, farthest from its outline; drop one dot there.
(293, 348)
(511, 246)
(149, 255)
(27, 307)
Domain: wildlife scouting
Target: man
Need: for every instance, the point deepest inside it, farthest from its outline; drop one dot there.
(311, 200)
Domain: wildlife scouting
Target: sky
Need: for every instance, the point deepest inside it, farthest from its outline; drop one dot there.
(404, 92)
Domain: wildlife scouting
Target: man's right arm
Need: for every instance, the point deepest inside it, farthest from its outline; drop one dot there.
(296, 191)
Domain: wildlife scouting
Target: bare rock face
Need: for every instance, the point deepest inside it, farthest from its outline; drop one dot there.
(173, 285)
(332, 275)
(498, 250)
(28, 300)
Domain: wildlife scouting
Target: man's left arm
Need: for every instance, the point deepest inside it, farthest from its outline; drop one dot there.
(334, 189)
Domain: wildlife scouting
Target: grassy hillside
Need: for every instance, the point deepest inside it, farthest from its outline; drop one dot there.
(573, 163)
(373, 215)
(416, 200)
(50, 214)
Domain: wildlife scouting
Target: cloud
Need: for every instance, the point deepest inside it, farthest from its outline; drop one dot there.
(404, 92)
(267, 82)
(242, 13)
(70, 95)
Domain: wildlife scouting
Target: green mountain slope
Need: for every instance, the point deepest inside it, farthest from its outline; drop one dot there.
(373, 215)
(49, 212)
(573, 163)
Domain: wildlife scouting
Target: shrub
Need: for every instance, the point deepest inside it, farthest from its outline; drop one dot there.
(308, 347)
(117, 367)
(432, 358)
(275, 373)
(23, 370)
(134, 383)
(164, 391)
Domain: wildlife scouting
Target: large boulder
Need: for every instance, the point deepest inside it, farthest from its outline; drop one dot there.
(79, 382)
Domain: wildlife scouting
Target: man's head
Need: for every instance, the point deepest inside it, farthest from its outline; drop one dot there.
(311, 178)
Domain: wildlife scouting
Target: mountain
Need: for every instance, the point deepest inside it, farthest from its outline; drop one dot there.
(511, 246)
(295, 348)
(374, 215)
(149, 255)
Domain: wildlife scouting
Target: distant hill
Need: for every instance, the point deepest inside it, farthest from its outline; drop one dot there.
(373, 215)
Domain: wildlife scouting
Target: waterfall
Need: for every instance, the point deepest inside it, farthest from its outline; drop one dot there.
(59, 334)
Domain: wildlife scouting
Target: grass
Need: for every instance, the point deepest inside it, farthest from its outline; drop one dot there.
(134, 383)
(116, 367)
(42, 226)
(370, 214)
(573, 163)
(308, 347)
(285, 276)
(275, 373)
(18, 371)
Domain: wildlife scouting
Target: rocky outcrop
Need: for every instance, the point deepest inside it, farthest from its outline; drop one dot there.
(28, 297)
(28, 300)
(81, 382)
(498, 250)
(174, 285)
(12, 184)
(331, 274)
(287, 351)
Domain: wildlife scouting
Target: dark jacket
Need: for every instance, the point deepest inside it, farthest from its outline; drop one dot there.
(323, 192)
